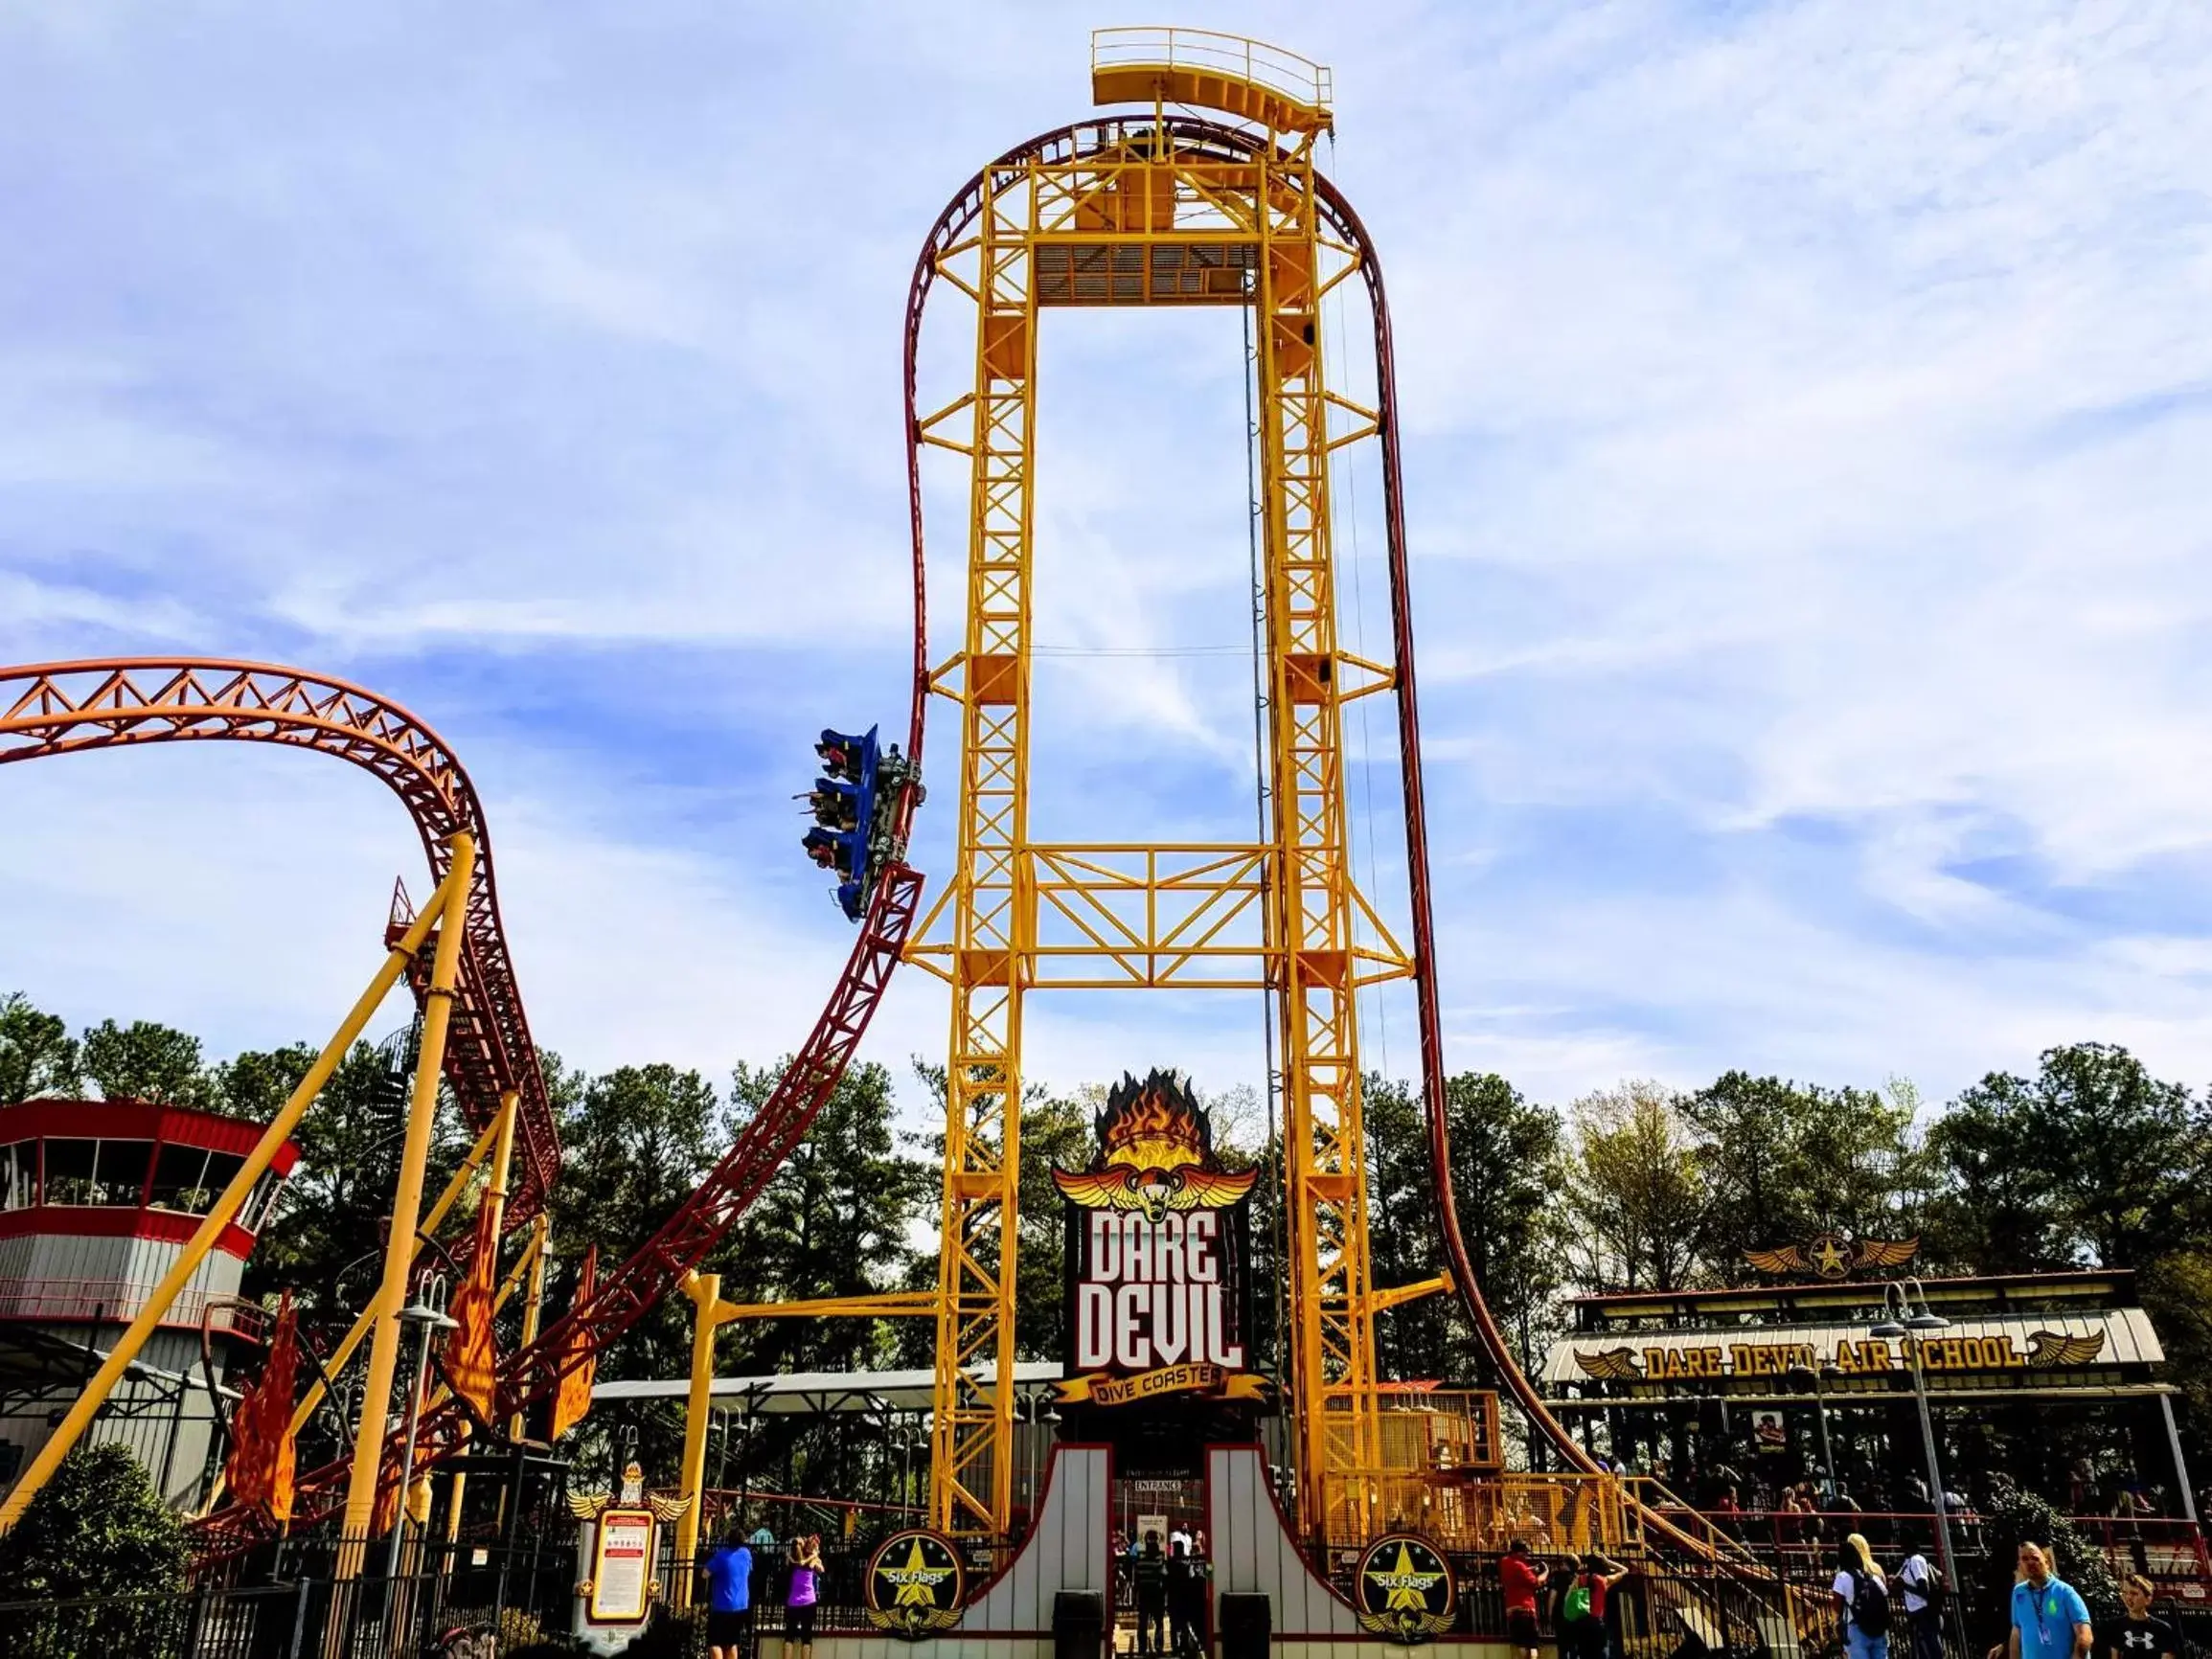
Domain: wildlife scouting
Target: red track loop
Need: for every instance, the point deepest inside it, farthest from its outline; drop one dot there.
(110, 703)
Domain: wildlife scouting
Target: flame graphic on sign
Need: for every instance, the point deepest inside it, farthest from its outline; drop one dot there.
(1155, 1153)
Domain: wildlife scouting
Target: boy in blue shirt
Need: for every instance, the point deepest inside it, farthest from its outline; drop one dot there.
(730, 1597)
(2050, 1620)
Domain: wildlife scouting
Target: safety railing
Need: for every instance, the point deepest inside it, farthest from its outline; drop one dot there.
(1207, 51)
(2164, 1548)
(116, 1301)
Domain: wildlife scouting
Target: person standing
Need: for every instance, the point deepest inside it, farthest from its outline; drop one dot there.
(1186, 1602)
(1921, 1587)
(1583, 1628)
(2140, 1635)
(1150, 1573)
(799, 1599)
(730, 1597)
(1520, 1576)
(1862, 1593)
(2050, 1619)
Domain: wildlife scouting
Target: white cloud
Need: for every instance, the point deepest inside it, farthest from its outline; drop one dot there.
(1805, 409)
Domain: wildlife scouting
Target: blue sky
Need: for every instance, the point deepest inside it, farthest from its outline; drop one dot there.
(1809, 412)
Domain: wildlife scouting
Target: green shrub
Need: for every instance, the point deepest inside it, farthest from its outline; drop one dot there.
(2017, 1516)
(95, 1528)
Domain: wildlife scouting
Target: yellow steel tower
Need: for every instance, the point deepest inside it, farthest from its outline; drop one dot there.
(1152, 209)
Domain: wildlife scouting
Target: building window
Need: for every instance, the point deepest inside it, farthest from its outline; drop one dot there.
(119, 1175)
(260, 1201)
(69, 1170)
(180, 1181)
(222, 1168)
(18, 1174)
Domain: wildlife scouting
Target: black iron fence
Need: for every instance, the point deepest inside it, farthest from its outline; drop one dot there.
(449, 1600)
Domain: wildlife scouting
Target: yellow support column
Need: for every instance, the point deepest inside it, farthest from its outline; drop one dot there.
(344, 1352)
(994, 921)
(407, 1211)
(165, 1294)
(705, 1289)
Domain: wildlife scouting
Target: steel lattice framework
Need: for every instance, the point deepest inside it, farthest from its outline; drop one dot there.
(110, 703)
(1158, 210)
(1125, 210)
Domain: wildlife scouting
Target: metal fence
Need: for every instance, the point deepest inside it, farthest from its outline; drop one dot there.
(517, 1596)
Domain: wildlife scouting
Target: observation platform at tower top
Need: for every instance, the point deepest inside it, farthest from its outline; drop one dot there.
(1247, 78)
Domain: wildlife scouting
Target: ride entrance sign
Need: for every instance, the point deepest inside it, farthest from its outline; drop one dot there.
(1157, 1246)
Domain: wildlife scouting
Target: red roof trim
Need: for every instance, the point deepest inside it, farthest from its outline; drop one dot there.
(125, 1120)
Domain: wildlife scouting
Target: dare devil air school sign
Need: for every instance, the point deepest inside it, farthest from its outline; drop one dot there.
(1157, 1237)
(914, 1586)
(1404, 1589)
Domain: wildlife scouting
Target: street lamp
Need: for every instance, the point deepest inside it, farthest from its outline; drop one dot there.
(1912, 1323)
(426, 1314)
(1809, 1377)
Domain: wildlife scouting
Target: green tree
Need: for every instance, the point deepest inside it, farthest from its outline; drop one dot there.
(635, 1142)
(95, 1528)
(834, 1220)
(146, 1060)
(1783, 1161)
(1634, 1191)
(325, 1241)
(2091, 1160)
(37, 1056)
(1415, 1340)
(256, 1086)
(1506, 1163)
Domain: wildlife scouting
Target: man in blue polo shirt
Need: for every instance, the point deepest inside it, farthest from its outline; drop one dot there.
(2050, 1620)
(730, 1597)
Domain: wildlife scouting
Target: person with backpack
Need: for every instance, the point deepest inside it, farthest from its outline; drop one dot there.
(1583, 1634)
(1862, 1593)
(1921, 1585)
(1150, 1573)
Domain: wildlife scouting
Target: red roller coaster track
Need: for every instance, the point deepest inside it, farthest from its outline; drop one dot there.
(110, 703)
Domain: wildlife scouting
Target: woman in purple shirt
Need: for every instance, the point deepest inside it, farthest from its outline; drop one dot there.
(799, 1599)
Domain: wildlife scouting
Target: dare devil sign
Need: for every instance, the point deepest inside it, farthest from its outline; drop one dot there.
(1156, 1251)
(1404, 1589)
(914, 1586)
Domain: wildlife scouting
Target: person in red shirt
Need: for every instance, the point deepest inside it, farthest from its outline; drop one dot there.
(1520, 1576)
(1587, 1635)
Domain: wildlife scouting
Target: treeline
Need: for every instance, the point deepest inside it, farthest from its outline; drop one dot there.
(2088, 1162)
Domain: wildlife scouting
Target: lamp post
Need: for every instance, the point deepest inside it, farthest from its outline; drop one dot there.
(1809, 1377)
(427, 1314)
(1905, 1321)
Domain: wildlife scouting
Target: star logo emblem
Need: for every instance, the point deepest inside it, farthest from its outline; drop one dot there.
(914, 1586)
(917, 1580)
(1830, 1256)
(1406, 1590)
